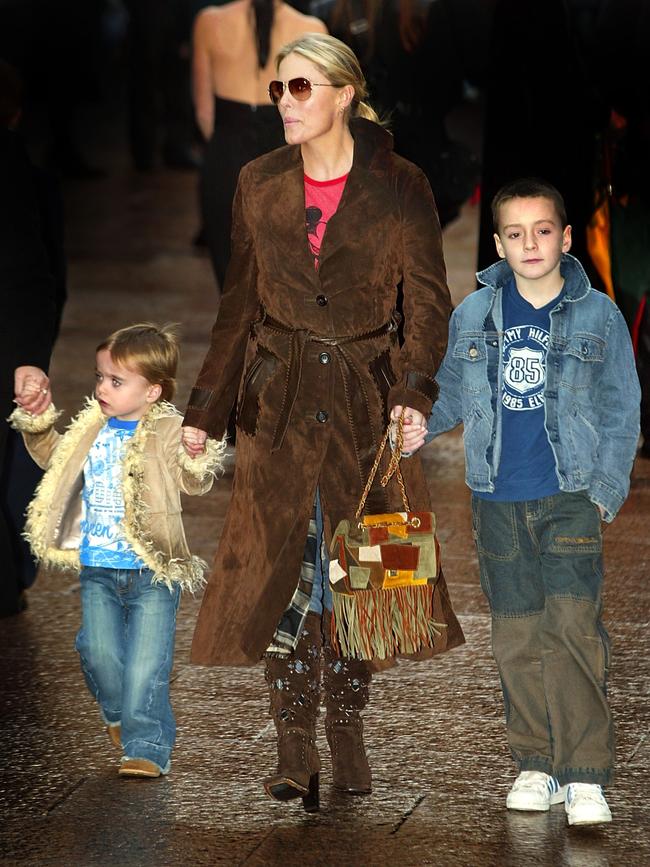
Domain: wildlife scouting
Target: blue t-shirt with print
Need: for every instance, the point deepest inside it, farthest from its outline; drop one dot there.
(102, 538)
(527, 465)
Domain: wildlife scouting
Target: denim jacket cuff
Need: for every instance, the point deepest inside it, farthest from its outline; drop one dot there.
(603, 494)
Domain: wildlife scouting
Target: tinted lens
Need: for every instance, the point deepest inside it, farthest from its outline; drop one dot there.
(300, 88)
(276, 89)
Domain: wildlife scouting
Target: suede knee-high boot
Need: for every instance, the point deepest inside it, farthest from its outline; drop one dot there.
(345, 684)
(294, 690)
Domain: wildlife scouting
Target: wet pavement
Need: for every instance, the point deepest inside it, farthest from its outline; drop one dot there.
(435, 731)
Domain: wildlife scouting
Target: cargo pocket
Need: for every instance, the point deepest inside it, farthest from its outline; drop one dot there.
(258, 374)
(575, 525)
(495, 529)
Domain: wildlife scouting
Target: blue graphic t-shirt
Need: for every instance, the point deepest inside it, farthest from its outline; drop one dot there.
(527, 465)
(102, 539)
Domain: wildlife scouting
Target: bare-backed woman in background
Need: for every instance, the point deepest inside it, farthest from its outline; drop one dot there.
(233, 61)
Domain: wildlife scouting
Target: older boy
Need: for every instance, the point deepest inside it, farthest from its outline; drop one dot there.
(540, 370)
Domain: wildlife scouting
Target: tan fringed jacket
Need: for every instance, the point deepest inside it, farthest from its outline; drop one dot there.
(154, 471)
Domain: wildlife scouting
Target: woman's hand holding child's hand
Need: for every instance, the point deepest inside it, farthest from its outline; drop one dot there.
(32, 389)
(193, 441)
(415, 428)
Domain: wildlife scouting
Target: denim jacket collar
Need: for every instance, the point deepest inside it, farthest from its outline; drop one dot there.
(576, 282)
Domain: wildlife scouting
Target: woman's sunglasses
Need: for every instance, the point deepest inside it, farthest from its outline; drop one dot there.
(299, 88)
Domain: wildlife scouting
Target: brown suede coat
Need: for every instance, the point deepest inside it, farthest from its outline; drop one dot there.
(311, 408)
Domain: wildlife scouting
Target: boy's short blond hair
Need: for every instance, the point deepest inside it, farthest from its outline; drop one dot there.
(528, 188)
(149, 350)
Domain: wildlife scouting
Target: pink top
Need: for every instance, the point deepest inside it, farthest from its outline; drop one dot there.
(321, 201)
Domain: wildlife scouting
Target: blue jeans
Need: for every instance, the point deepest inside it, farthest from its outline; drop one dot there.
(321, 594)
(542, 572)
(126, 646)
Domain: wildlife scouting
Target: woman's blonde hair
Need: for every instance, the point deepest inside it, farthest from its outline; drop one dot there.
(148, 350)
(339, 65)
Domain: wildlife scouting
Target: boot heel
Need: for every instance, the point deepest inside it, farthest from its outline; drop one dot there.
(310, 801)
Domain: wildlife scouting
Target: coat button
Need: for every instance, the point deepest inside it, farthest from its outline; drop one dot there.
(322, 300)
(324, 358)
(473, 352)
(321, 416)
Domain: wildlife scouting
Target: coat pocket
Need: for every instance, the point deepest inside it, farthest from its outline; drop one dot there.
(258, 374)
(382, 372)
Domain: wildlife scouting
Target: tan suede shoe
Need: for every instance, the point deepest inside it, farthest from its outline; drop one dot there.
(115, 734)
(138, 768)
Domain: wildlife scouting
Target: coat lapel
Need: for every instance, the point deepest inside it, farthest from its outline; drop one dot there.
(282, 197)
(364, 205)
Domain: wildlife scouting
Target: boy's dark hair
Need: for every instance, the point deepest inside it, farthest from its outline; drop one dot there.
(148, 350)
(528, 188)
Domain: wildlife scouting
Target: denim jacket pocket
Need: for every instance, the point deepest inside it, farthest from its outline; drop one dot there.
(584, 437)
(470, 347)
(582, 360)
(470, 351)
(476, 431)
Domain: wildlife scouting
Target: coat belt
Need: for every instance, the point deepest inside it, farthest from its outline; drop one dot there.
(355, 393)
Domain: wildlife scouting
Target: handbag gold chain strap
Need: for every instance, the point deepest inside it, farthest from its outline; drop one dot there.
(392, 470)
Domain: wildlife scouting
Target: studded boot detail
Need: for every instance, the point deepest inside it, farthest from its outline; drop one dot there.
(346, 687)
(294, 691)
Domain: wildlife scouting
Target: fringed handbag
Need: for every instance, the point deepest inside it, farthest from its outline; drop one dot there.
(383, 571)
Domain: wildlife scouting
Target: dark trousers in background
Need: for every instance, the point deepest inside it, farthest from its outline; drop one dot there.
(241, 134)
(159, 80)
(19, 476)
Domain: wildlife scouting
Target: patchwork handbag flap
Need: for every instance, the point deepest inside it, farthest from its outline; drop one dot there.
(383, 571)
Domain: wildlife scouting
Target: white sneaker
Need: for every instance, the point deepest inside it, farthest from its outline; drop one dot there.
(534, 790)
(586, 805)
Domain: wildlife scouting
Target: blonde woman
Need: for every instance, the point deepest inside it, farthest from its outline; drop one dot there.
(324, 229)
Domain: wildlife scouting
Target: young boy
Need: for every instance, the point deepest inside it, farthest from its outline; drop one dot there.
(540, 371)
(109, 507)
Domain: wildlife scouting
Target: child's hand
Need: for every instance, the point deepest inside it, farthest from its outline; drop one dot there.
(415, 428)
(193, 441)
(32, 389)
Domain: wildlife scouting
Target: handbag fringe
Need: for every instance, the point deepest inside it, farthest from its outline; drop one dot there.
(378, 624)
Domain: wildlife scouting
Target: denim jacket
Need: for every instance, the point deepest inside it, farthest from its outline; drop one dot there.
(591, 391)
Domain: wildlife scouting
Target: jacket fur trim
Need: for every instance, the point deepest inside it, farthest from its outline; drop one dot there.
(153, 531)
(25, 422)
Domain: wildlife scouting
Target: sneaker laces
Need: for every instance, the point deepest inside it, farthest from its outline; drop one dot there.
(531, 779)
(588, 791)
